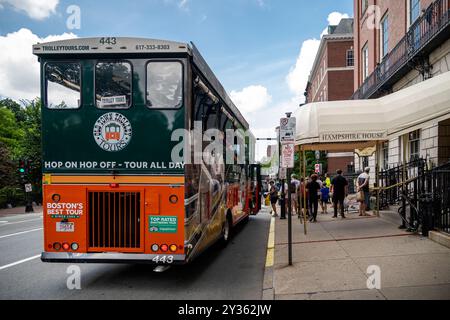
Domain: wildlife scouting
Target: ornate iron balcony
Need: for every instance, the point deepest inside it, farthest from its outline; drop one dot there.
(430, 30)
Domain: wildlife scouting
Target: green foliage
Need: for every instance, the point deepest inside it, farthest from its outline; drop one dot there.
(11, 134)
(310, 163)
(11, 195)
(7, 167)
(20, 139)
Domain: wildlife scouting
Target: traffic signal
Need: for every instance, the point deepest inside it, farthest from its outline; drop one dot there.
(29, 167)
(22, 168)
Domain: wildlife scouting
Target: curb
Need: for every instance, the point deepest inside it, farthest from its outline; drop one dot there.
(268, 287)
(440, 237)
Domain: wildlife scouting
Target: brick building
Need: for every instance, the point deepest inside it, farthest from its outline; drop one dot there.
(398, 44)
(331, 77)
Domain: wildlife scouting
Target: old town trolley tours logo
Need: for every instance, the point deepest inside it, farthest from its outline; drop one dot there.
(112, 132)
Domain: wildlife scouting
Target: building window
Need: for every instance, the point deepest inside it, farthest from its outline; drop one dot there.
(414, 145)
(365, 62)
(384, 36)
(414, 11)
(350, 58)
(364, 6)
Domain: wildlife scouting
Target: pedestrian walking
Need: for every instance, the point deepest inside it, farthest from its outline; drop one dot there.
(339, 188)
(294, 188)
(324, 198)
(303, 193)
(363, 183)
(273, 191)
(327, 180)
(313, 188)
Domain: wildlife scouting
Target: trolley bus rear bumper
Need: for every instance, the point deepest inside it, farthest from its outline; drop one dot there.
(127, 258)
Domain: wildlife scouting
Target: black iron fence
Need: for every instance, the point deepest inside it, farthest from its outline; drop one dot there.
(390, 182)
(435, 198)
(425, 192)
(431, 23)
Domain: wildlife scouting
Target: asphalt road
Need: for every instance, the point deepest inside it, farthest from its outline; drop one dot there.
(234, 272)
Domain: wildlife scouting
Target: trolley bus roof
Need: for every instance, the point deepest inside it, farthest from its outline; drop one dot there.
(125, 45)
(112, 45)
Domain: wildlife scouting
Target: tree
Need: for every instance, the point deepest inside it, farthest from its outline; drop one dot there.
(310, 163)
(7, 167)
(31, 143)
(20, 139)
(13, 106)
(11, 134)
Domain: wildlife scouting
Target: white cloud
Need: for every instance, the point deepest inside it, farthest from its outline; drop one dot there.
(251, 99)
(298, 76)
(183, 3)
(35, 9)
(19, 70)
(333, 20)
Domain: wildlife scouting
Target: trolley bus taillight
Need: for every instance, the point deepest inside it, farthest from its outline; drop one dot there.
(173, 199)
(66, 246)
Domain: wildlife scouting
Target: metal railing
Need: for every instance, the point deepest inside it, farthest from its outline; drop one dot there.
(431, 23)
(390, 182)
(426, 192)
(436, 191)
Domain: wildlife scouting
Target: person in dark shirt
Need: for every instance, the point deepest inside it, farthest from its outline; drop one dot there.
(339, 187)
(313, 188)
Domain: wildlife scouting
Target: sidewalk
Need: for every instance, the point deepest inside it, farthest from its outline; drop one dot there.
(331, 261)
(18, 210)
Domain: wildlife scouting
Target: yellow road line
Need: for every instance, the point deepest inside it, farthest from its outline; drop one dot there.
(271, 245)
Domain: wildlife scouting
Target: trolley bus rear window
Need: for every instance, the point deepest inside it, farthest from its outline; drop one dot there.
(113, 85)
(63, 83)
(164, 84)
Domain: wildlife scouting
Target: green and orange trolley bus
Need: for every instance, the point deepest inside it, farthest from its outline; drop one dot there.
(113, 192)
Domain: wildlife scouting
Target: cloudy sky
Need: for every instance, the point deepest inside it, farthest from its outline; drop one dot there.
(261, 50)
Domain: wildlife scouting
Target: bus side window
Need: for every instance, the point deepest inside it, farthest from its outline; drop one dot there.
(164, 84)
(63, 85)
(113, 85)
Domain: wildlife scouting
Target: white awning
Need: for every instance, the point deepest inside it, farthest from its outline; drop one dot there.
(357, 123)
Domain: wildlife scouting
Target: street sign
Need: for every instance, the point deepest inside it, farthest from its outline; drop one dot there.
(287, 156)
(287, 130)
(28, 188)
